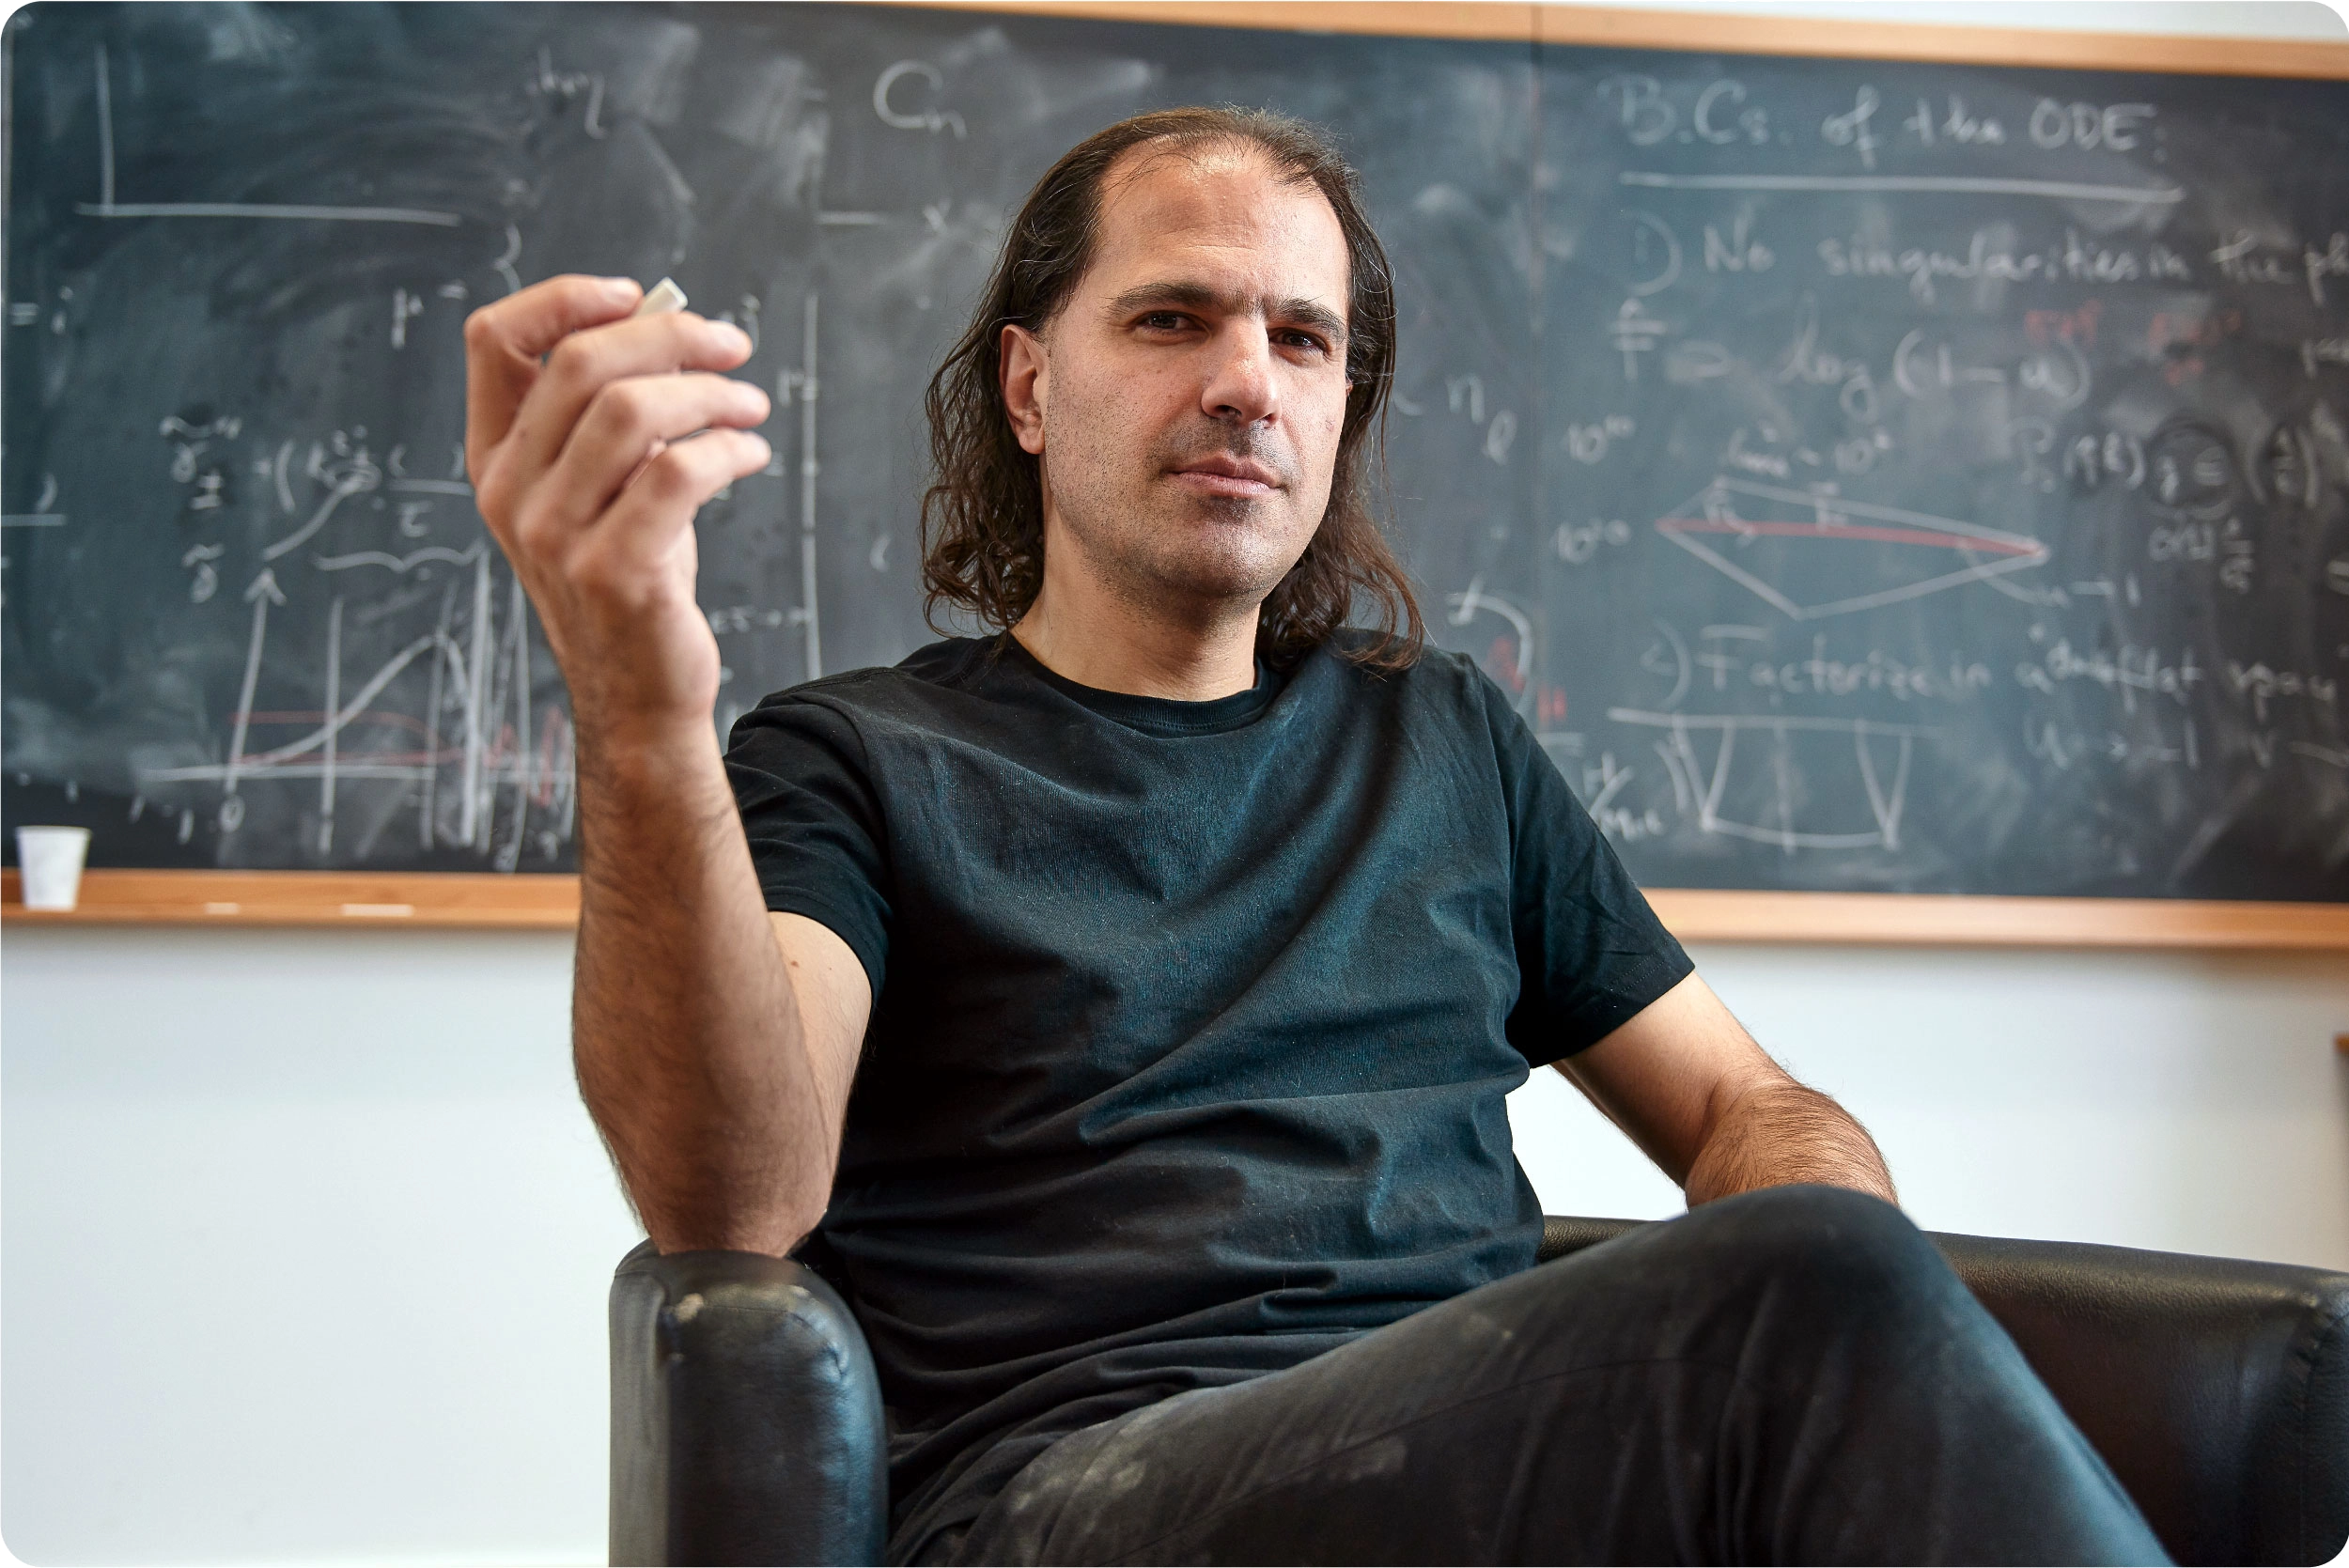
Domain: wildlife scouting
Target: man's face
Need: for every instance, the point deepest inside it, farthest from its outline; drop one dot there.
(1187, 399)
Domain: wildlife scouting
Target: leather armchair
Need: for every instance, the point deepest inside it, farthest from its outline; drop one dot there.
(746, 1414)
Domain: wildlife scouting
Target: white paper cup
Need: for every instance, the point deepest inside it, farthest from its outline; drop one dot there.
(51, 860)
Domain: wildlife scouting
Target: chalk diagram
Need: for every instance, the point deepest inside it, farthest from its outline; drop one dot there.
(1767, 539)
(453, 720)
(476, 718)
(1774, 534)
(1699, 790)
(1513, 650)
(478, 672)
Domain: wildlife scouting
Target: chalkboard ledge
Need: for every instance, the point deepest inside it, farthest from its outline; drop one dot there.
(304, 898)
(1694, 915)
(1879, 919)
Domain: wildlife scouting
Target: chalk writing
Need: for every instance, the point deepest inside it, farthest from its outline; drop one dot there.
(1873, 673)
(2264, 686)
(2121, 127)
(1987, 257)
(2125, 671)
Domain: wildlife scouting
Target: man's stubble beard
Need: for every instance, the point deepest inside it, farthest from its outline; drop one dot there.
(1158, 545)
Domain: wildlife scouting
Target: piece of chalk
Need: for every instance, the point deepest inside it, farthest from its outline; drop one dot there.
(660, 299)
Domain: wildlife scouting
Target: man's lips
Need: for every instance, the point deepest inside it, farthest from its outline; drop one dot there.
(1225, 476)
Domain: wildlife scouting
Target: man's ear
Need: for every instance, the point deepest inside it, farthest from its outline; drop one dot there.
(1025, 386)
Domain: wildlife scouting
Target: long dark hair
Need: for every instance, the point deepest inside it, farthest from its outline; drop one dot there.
(983, 519)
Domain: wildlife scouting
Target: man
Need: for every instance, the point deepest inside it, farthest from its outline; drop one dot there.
(1180, 947)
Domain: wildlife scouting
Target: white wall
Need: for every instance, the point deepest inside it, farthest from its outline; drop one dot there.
(2189, 1102)
(307, 1241)
(306, 1237)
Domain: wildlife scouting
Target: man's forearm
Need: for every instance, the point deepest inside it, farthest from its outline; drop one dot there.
(1777, 1134)
(685, 1034)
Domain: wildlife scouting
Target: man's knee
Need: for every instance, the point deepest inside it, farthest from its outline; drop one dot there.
(1829, 1253)
(1812, 1212)
(1797, 1266)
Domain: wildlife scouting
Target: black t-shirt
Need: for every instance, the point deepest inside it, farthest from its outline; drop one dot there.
(1193, 1023)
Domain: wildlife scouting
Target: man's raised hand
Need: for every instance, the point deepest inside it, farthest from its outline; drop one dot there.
(592, 436)
(580, 435)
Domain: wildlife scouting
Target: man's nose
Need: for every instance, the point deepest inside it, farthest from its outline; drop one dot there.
(1239, 382)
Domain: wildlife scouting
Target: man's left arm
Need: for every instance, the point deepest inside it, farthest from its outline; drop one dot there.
(1689, 1086)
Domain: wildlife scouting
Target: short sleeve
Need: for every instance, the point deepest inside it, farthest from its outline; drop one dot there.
(1591, 954)
(813, 821)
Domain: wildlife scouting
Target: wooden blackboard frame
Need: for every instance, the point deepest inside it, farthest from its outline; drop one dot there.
(1723, 32)
(531, 902)
(442, 899)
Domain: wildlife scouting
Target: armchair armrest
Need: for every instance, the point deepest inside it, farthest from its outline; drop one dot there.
(746, 1415)
(2216, 1389)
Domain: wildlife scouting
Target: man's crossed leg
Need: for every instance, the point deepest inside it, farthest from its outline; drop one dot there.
(1792, 1374)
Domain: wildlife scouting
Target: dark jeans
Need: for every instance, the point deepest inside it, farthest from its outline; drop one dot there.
(1788, 1375)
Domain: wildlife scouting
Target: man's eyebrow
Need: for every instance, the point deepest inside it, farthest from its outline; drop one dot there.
(1306, 313)
(1302, 311)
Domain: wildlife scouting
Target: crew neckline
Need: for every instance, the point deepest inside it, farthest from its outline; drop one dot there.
(1161, 716)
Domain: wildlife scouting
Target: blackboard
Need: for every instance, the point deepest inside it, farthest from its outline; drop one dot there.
(1865, 476)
